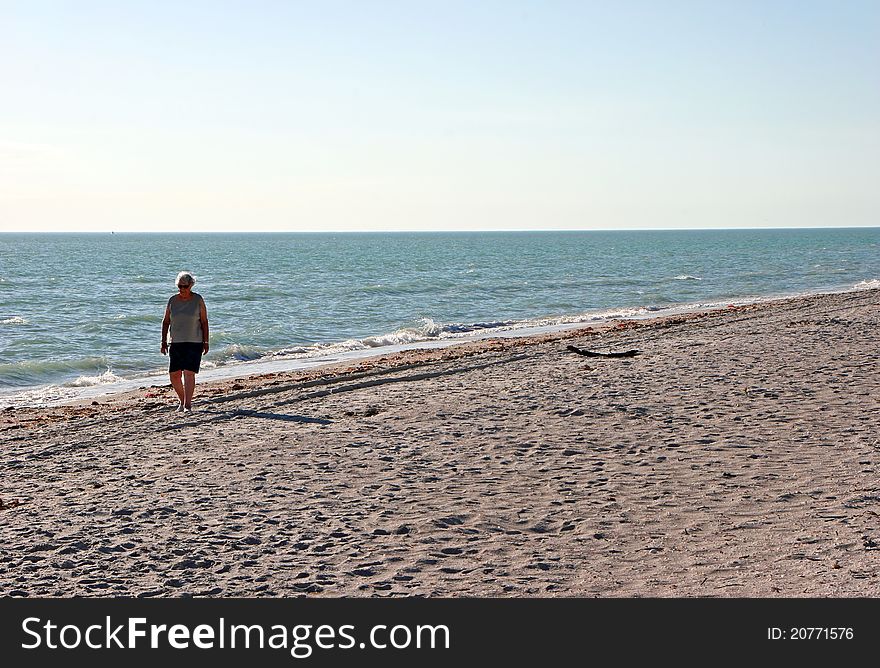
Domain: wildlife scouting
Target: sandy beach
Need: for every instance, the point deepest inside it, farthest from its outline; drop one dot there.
(736, 455)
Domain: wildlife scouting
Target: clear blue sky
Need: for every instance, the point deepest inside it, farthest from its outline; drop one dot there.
(253, 116)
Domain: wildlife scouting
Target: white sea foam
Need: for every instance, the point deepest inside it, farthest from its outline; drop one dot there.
(103, 379)
(687, 277)
(427, 331)
(394, 338)
(14, 320)
(243, 353)
(295, 350)
(44, 396)
(867, 285)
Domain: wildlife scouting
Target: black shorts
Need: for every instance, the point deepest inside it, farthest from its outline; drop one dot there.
(185, 356)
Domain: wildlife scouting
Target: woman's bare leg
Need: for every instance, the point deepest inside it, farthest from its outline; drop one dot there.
(177, 384)
(189, 384)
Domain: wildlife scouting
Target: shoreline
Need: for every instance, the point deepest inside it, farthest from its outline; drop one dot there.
(270, 365)
(735, 455)
(413, 355)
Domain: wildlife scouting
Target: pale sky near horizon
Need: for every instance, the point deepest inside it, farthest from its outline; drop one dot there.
(311, 116)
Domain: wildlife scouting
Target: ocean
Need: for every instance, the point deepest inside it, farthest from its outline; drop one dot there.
(80, 314)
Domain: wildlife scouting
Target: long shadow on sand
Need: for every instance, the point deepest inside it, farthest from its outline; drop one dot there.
(239, 413)
(277, 416)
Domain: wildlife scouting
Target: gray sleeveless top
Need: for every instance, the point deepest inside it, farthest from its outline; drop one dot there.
(186, 326)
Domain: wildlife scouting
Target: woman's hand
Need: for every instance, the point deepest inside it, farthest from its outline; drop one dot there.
(205, 346)
(164, 348)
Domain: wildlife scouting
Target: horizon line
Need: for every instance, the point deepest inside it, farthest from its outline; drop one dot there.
(451, 231)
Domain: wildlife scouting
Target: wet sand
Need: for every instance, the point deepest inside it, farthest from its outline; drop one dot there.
(736, 455)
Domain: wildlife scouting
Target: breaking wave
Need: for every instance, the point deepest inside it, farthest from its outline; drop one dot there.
(101, 379)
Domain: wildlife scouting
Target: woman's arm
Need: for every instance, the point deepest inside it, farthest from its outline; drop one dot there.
(166, 323)
(203, 317)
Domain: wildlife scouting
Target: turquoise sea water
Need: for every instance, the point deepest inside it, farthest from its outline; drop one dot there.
(85, 310)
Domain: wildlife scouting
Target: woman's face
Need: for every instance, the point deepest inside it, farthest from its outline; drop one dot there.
(184, 288)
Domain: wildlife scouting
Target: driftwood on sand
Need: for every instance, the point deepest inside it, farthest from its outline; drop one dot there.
(589, 353)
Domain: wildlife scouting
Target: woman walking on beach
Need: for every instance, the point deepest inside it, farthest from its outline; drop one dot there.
(187, 318)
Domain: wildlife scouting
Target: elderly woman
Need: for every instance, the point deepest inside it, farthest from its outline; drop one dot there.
(187, 318)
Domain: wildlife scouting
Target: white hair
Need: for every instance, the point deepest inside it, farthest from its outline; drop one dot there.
(186, 277)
